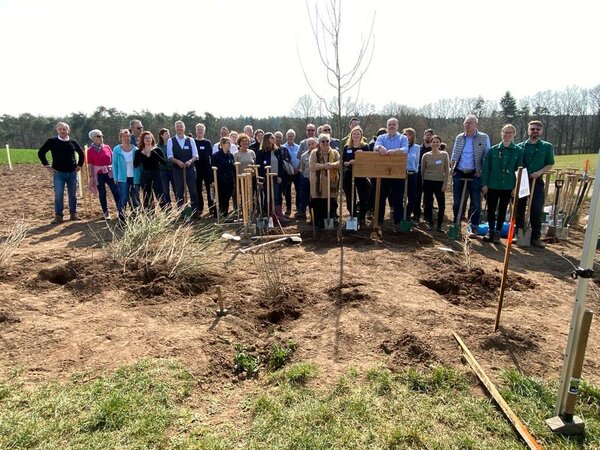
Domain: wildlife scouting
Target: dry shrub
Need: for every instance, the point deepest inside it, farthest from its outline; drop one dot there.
(268, 263)
(158, 238)
(16, 234)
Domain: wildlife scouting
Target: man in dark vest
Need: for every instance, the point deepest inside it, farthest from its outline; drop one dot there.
(203, 167)
(182, 152)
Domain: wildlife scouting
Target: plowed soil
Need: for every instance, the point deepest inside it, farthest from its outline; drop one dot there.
(65, 308)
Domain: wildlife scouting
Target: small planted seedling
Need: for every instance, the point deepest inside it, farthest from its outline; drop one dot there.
(279, 355)
(244, 361)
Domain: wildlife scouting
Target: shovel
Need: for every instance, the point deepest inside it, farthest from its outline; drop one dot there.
(405, 225)
(269, 199)
(352, 222)
(558, 184)
(524, 236)
(187, 211)
(454, 230)
(329, 223)
(262, 223)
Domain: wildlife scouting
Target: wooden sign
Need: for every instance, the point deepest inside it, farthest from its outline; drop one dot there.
(374, 165)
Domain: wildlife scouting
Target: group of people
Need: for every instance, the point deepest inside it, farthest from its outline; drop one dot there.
(316, 168)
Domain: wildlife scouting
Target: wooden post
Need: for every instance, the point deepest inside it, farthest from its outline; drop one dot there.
(511, 230)
(216, 188)
(508, 412)
(376, 206)
(10, 166)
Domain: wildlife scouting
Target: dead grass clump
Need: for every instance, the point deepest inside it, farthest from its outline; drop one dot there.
(16, 234)
(160, 239)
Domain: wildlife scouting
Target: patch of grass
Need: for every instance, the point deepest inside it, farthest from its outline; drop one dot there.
(279, 355)
(131, 408)
(159, 239)
(21, 156)
(295, 375)
(577, 162)
(533, 401)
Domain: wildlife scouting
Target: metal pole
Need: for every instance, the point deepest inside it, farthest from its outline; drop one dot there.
(587, 264)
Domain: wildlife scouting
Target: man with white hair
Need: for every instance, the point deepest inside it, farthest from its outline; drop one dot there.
(291, 149)
(249, 131)
(64, 169)
(470, 149)
(387, 143)
(135, 128)
(182, 152)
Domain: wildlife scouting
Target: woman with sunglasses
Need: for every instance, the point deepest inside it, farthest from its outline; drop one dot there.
(324, 161)
(99, 160)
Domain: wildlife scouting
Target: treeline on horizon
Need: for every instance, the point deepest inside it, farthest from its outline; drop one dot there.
(571, 118)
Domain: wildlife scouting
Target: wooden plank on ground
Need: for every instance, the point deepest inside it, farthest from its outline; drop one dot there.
(508, 412)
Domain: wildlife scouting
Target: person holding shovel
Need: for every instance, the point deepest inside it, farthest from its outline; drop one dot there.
(538, 158)
(324, 166)
(356, 143)
(498, 180)
(64, 169)
(466, 162)
(182, 152)
(99, 159)
(435, 167)
(271, 155)
(304, 191)
(223, 160)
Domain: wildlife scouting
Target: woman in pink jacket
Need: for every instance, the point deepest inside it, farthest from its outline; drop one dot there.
(99, 159)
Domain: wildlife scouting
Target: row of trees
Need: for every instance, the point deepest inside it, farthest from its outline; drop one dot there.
(571, 118)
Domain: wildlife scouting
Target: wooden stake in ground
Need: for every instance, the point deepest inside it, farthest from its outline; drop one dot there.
(8, 157)
(508, 412)
(511, 231)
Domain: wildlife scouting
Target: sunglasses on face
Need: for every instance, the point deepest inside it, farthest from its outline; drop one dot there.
(324, 142)
(535, 129)
(326, 129)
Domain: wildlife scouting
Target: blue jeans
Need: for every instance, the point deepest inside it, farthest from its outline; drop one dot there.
(167, 183)
(60, 179)
(128, 193)
(474, 190)
(304, 194)
(103, 180)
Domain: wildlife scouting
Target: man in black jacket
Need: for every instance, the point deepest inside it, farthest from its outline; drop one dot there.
(203, 167)
(64, 169)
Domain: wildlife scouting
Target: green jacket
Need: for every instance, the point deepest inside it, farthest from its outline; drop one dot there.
(538, 155)
(500, 165)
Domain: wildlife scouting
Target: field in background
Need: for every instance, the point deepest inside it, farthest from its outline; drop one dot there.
(29, 156)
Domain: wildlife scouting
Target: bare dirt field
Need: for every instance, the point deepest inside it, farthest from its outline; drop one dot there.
(65, 308)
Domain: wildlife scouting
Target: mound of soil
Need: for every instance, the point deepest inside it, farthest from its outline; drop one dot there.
(6, 317)
(407, 350)
(475, 287)
(512, 339)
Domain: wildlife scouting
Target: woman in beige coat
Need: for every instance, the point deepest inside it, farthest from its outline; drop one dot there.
(324, 165)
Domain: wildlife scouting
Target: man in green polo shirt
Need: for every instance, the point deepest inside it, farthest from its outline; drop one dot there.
(538, 158)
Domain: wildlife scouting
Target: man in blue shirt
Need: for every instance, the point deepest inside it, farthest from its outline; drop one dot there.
(470, 149)
(387, 143)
